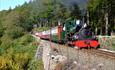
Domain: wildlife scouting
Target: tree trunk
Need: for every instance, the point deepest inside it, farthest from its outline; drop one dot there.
(106, 21)
(101, 31)
(87, 17)
(96, 31)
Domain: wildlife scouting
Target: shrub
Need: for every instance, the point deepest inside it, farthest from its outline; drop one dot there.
(20, 55)
(15, 32)
(26, 39)
(6, 42)
(36, 65)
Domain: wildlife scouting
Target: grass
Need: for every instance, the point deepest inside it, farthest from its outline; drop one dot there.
(20, 55)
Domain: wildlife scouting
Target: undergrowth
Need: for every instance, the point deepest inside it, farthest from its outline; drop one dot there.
(19, 55)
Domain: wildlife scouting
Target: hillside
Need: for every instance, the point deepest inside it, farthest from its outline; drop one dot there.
(17, 48)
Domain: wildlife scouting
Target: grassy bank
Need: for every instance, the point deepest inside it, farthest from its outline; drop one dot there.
(20, 55)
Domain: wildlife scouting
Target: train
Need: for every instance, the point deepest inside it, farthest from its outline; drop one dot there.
(72, 32)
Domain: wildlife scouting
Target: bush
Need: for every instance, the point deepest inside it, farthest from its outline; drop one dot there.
(1, 32)
(36, 65)
(19, 55)
(6, 42)
(26, 39)
(15, 32)
(0, 42)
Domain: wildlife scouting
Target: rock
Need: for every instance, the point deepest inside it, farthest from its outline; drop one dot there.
(100, 65)
(58, 62)
(94, 69)
(76, 48)
(52, 56)
(60, 58)
(48, 54)
(75, 62)
(55, 50)
(59, 66)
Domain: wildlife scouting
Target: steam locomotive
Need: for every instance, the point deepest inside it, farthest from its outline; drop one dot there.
(73, 32)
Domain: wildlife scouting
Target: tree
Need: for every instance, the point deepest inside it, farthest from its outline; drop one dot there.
(100, 15)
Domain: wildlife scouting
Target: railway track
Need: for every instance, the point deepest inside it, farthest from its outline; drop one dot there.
(105, 54)
(99, 52)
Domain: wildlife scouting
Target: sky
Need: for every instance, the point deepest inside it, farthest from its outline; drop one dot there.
(6, 4)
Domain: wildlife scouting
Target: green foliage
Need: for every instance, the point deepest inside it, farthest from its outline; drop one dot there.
(20, 56)
(15, 32)
(52, 11)
(36, 65)
(97, 11)
(0, 41)
(26, 39)
(1, 30)
(6, 42)
(16, 48)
